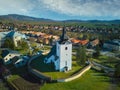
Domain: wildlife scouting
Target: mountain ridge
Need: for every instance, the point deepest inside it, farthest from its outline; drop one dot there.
(17, 17)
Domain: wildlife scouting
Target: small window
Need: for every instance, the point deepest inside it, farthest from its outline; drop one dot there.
(66, 63)
(22, 61)
(10, 55)
(66, 48)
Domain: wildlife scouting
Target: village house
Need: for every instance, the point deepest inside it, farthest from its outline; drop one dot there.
(41, 38)
(21, 61)
(46, 41)
(77, 42)
(112, 45)
(93, 43)
(8, 55)
(15, 36)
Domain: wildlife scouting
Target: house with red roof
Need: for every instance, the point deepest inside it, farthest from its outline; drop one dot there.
(79, 42)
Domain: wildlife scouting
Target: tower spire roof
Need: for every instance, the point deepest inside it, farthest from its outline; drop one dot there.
(64, 36)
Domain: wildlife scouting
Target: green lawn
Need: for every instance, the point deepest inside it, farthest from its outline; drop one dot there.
(73, 58)
(3, 86)
(91, 80)
(48, 69)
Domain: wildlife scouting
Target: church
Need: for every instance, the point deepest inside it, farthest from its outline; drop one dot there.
(61, 53)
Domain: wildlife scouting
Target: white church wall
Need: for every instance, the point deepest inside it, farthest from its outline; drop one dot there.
(64, 52)
(56, 63)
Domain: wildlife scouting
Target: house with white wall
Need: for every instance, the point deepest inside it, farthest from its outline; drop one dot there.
(16, 37)
(8, 55)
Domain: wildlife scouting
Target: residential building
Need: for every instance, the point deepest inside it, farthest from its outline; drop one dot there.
(8, 55)
(79, 42)
(112, 45)
(15, 36)
(21, 61)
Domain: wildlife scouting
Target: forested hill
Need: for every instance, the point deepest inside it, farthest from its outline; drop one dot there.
(16, 17)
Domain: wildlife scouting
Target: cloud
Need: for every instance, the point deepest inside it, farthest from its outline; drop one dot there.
(88, 8)
(15, 6)
(71, 8)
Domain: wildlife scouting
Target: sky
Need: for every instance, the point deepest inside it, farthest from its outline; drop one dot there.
(63, 9)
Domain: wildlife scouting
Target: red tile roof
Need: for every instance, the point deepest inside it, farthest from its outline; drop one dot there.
(82, 42)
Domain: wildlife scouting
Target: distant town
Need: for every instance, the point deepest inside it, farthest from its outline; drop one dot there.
(41, 55)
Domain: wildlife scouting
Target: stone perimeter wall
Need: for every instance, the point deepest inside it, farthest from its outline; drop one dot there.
(77, 75)
(44, 77)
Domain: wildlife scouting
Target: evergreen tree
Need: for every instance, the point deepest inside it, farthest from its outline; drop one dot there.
(35, 50)
(97, 53)
(8, 43)
(23, 44)
(0, 54)
(117, 70)
(81, 55)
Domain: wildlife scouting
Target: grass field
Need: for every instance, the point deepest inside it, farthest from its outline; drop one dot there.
(91, 80)
(48, 69)
(3, 86)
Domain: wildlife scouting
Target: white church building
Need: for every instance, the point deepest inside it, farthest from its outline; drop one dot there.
(61, 54)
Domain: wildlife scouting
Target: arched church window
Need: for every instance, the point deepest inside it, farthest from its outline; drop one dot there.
(66, 63)
(66, 48)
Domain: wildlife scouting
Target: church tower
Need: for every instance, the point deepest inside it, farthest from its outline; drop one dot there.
(63, 53)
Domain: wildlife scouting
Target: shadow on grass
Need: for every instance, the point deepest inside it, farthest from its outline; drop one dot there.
(41, 66)
(23, 72)
(26, 83)
(29, 77)
(103, 76)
